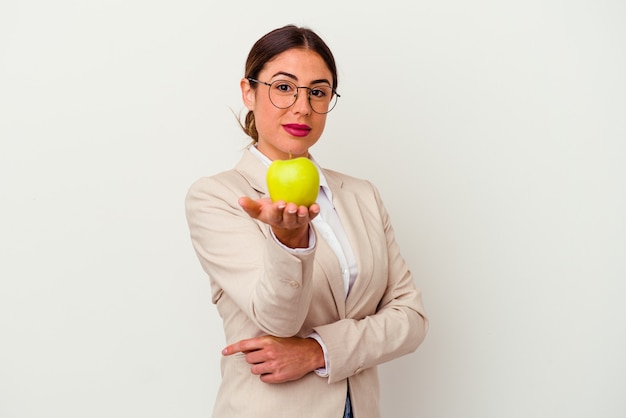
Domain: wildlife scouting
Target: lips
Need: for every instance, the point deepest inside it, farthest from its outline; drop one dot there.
(296, 129)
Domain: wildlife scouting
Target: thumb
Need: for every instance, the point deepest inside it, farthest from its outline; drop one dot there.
(250, 206)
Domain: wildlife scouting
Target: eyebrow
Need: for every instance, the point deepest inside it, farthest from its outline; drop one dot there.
(293, 77)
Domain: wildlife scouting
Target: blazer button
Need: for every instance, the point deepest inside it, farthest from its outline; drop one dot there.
(294, 284)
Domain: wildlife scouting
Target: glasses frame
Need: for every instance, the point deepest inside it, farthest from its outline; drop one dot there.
(296, 95)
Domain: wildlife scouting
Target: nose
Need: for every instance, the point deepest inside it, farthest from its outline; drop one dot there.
(302, 105)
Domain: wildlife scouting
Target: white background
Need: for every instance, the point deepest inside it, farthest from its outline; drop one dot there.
(496, 132)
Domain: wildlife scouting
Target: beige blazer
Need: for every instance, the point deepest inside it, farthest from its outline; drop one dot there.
(259, 288)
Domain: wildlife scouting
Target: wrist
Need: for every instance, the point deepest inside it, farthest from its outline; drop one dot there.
(318, 359)
(293, 238)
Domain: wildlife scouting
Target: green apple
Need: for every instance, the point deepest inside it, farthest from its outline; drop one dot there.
(295, 180)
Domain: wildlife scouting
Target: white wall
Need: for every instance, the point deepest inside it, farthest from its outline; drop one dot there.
(495, 130)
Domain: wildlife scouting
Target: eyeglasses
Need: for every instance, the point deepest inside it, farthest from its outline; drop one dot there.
(283, 94)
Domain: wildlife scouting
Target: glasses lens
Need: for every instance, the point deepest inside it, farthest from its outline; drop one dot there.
(322, 99)
(283, 94)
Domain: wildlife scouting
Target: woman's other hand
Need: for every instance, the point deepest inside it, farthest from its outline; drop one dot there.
(279, 360)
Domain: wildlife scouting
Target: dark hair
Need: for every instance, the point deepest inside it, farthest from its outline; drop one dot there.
(274, 43)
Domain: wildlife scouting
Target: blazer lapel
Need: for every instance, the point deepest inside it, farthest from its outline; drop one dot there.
(254, 171)
(326, 261)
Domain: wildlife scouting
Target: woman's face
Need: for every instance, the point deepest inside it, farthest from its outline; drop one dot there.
(291, 131)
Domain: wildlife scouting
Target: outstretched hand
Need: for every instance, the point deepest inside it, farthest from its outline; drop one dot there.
(279, 360)
(289, 221)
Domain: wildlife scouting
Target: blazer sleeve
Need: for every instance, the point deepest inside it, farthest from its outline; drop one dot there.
(398, 326)
(271, 285)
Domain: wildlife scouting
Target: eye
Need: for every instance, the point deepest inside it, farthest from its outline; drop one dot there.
(320, 92)
(283, 87)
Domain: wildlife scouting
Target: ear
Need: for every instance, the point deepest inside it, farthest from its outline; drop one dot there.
(248, 94)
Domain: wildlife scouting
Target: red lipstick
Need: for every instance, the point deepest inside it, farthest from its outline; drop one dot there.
(296, 129)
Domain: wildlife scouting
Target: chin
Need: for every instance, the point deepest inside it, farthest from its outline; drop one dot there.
(296, 147)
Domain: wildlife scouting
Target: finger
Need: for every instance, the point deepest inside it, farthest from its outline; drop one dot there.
(284, 215)
(270, 378)
(278, 212)
(260, 369)
(242, 346)
(280, 205)
(255, 357)
(251, 207)
(303, 213)
(306, 215)
(314, 210)
(291, 209)
(277, 377)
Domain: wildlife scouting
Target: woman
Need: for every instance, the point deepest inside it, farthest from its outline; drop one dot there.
(312, 299)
